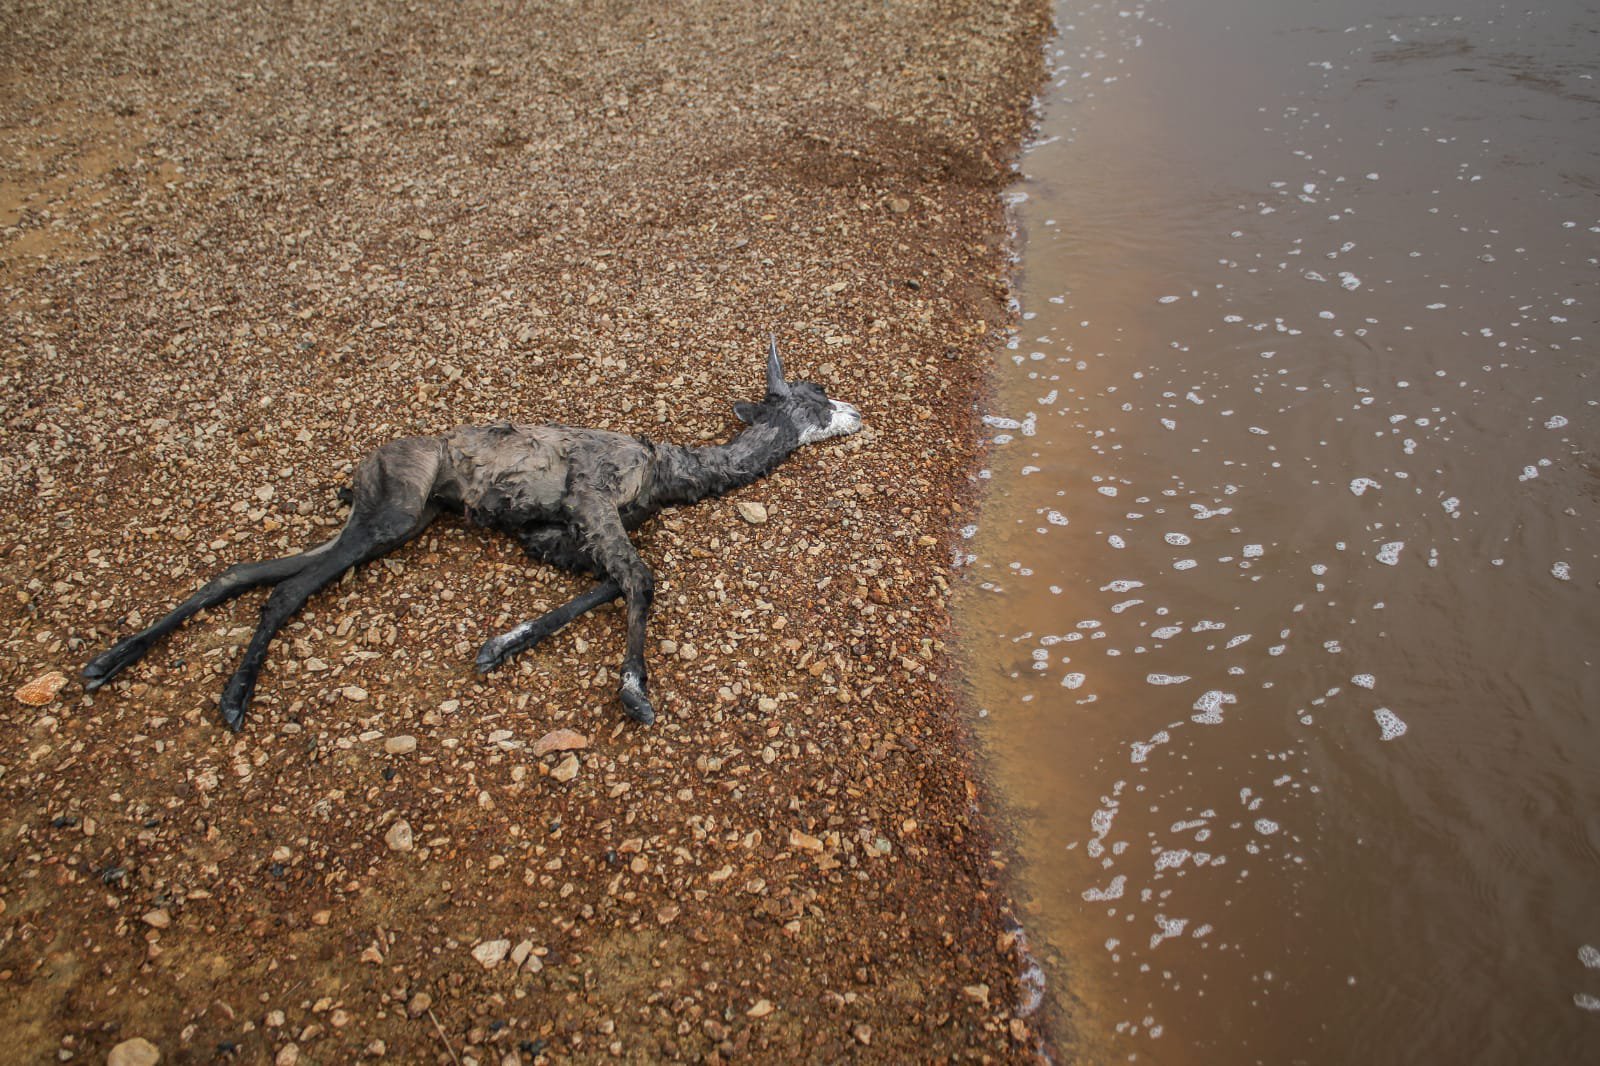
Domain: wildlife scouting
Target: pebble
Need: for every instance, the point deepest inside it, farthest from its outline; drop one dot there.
(401, 745)
(490, 952)
(760, 1008)
(355, 693)
(135, 1052)
(566, 769)
(419, 1004)
(399, 836)
(288, 1055)
(560, 740)
(42, 689)
(752, 512)
(157, 919)
(688, 652)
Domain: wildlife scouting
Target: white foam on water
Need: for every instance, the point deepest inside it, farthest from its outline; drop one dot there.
(1116, 542)
(1122, 585)
(1360, 485)
(1364, 680)
(1389, 554)
(1165, 679)
(1185, 564)
(1107, 490)
(1253, 551)
(1206, 625)
(1172, 858)
(1169, 299)
(1452, 507)
(1266, 826)
(1210, 707)
(1176, 539)
(1389, 723)
(1142, 748)
(1561, 571)
(1167, 632)
(1055, 518)
(1589, 955)
(1118, 608)
(1585, 1001)
(1238, 640)
(1110, 892)
(1555, 422)
(1072, 680)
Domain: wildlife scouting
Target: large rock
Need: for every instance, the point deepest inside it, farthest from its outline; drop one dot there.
(135, 1052)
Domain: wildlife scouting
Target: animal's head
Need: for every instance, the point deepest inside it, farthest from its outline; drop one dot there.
(800, 404)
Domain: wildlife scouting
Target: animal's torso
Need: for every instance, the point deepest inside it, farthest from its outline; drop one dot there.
(514, 477)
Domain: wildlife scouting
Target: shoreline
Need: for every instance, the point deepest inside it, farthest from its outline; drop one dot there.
(234, 257)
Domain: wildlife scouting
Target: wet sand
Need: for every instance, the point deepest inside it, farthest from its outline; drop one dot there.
(239, 250)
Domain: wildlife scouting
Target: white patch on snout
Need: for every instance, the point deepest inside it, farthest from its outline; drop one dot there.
(846, 420)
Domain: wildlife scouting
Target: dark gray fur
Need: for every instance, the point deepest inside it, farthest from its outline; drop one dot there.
(570, 496)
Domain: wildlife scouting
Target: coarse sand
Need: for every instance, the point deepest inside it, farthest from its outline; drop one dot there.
(241, 245)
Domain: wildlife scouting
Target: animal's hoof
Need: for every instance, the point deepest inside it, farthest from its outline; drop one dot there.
(636, 703)
(489, 656)
(235, 700)
(102, 669)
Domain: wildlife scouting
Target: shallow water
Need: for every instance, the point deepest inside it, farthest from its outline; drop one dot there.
(1282, 608)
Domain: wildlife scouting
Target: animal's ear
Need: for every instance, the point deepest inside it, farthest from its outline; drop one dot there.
(776, 386)
(746, 412)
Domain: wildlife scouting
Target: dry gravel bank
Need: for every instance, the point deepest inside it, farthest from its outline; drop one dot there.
(240, 245)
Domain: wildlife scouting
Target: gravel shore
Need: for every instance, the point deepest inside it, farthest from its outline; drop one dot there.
(241, 245)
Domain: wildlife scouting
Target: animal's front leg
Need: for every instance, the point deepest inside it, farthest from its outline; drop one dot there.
(520, 638)
(615, 554)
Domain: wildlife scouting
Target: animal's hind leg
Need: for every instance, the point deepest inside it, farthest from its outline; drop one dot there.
(393, 489)
(497, 650)
(225, 586)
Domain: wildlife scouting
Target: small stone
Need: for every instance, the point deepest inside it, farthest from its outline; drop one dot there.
(401, 745)
(135, 1052)
(978, 993)
(288, 1055)
(688, 652)
(490, 952)
(355, 693)
(399, 836)
(42, 689)
(158, 919)
(560, 740)
(760, 1008)
(899, 205)
(752, 512)
(863, 1033)
(668, 647)
(520, 953)
(668, 913)
(419, 1004)
(566, 769)
(766, 705)
(804, 841)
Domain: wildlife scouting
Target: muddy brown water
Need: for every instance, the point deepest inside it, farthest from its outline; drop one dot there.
(1281, 608)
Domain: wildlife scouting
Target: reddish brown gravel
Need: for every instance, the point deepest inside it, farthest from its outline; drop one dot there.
(242, 244)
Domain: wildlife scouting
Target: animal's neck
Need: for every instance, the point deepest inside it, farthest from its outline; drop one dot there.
(685, 475)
